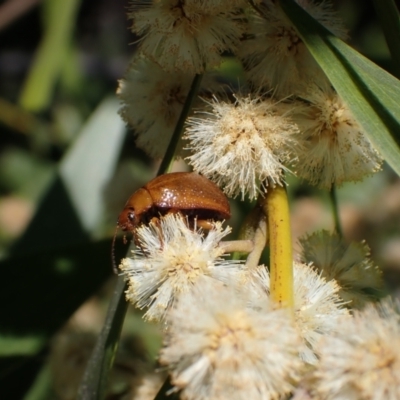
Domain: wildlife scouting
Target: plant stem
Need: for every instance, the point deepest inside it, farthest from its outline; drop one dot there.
(260, 239)
(276, 207)
(335, 209)
(164, 167)
(94, 382)
(101, 361)
(176, 136)
(242, 246)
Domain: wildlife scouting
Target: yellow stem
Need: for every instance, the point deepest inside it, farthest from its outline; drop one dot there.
(276, 207)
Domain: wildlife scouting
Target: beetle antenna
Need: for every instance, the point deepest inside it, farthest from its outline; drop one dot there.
(114, 264)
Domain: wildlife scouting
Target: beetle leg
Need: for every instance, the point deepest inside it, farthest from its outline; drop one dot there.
(205, 224)
(156, 222)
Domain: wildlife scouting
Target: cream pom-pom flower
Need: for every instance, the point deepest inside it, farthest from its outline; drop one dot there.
(172, 259)
(317, 306)
(337, 148)
(217, 347)
(243, 146)
(152, 101)
(361, 360)
(185, 35)
(275, 55)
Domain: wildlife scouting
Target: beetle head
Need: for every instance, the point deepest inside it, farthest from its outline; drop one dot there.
(127, 220)
(135, 210)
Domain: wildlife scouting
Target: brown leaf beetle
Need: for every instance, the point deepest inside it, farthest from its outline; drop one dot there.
(187, 193)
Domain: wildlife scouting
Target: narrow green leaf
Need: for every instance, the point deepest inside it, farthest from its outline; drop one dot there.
(59, 24)
(370, 92)
(100, 363)
(96, 374)
(97, 371)
(177, 134)
(381, 89)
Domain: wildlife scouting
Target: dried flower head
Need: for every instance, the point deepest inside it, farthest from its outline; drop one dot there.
(152, 101)
(338, 150)
(219, 348)
(215, 6)
(361, 361)
(182, 35)
(349, 264)
(174, 259)
(275, 55)
(241, 145)
(317, 305)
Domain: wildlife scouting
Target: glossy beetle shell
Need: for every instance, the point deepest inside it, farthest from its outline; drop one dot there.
(185, 192)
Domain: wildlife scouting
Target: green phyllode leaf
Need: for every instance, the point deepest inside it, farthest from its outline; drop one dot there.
(370, 92)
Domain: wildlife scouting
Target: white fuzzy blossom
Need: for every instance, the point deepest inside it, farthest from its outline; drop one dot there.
(173, 258)
(317, 306)
(217, 347)
(152, 101)
(361, 360)
(244, 145)
(186, 35)
(337, 148)
(275, 55)
(349, 264)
